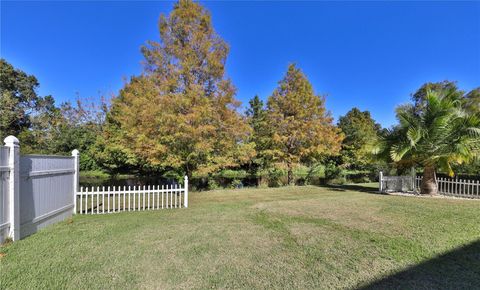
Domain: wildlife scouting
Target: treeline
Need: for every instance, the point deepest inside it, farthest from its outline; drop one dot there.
(180, 116)
(43, 127)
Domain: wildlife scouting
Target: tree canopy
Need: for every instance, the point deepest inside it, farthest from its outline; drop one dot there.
(302, 127)
(18, 99)
(361, 132)
(261, 136)
(442, 134)
(180, 114)
(472, 100)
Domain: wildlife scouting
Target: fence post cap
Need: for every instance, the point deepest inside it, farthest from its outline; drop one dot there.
(11, 141)
(186, 177)
(75, 152)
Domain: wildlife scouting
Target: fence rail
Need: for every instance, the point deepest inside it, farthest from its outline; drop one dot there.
(103, 200)
(454, 187)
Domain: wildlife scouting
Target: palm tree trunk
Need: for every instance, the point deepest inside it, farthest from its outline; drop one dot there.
(429, 181)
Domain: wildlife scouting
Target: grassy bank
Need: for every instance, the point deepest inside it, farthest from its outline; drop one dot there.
(291, 237)
(94, 174)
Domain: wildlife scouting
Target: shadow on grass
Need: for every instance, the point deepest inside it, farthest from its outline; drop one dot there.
(457, 269)
(353, 187)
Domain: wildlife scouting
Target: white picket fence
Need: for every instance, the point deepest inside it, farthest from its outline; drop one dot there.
(91, 200)
(454, 187)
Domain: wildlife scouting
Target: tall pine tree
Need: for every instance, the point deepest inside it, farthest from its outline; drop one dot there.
(361, 133)
(261, 135)
(302, 127)
(180, 114)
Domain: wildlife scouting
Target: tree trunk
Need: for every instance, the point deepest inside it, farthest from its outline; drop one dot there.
(289, 174)
(429, 181)
(187, 170)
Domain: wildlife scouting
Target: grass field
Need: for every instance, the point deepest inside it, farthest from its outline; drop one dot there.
(291, 237)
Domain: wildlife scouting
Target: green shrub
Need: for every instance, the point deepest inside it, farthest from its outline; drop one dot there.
(88, 163)
(171, 174)
(301, 171)
(236, 183)
(315, 174)
(213, 184)
(232, 174)
(275, 176)
(332, 171)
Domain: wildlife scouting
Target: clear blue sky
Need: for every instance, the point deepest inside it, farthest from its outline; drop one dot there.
(366, 54)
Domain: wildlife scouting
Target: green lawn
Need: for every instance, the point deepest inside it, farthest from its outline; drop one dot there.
(291, 237)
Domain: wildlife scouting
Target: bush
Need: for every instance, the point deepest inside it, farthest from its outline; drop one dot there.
(275, 176)
(213, 184)
(232, 174)
(236, 183)
(333, 172)
(88, 163)
(315, 174)
(173, 175)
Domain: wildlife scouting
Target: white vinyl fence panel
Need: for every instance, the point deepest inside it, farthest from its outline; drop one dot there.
(35, 190)
(4, 196)
(46, 194)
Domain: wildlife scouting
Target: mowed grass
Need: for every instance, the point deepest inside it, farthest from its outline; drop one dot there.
(291, 237)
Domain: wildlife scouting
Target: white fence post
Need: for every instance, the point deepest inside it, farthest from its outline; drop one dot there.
(414, 175)
(14, 186)
(76, 166)
(186, 191)
(380, 177)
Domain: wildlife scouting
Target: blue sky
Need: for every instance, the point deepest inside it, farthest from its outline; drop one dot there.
(371, 55)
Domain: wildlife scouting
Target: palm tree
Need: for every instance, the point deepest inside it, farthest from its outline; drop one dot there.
(439, 135)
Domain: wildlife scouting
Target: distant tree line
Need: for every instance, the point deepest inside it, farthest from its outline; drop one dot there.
(180, 116)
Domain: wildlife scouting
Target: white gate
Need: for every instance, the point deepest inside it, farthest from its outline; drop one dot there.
(396, 183)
